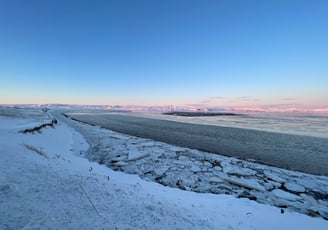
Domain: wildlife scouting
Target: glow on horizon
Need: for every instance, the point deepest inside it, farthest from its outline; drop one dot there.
(265, 55)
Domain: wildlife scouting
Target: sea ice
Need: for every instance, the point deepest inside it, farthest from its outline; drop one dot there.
(247, 183)
(274, 177)
(294, 187)
(228, 168)
(285, 195)
(177, 165)
(195, 168)
(135, 155)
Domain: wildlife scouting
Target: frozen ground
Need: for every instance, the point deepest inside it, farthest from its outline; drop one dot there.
(44, 184)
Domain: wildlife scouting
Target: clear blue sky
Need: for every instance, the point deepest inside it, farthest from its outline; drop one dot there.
(223, 53)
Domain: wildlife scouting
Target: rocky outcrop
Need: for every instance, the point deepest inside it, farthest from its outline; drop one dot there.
(38, 128)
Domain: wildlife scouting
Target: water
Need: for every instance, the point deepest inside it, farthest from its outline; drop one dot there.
(292, 123)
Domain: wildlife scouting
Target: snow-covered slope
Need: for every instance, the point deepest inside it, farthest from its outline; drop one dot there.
(44, 184)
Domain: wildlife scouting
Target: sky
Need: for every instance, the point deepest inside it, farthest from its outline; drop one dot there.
(245, 54)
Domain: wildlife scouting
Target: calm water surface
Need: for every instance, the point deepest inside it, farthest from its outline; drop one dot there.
(292, 123)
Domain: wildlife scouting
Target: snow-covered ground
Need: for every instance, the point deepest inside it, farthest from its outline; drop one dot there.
(199, 171)
(44, 184)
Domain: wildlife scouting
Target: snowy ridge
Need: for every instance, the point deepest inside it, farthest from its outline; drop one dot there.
(65, 191)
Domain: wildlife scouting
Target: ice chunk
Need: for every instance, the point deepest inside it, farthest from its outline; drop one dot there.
(215, 179)
(136, 155)
(195, 168)
(247, 183)
(274, 177)
(161, 170)
(294, 187)
(238, 170)
(285, 195)
(121, 163)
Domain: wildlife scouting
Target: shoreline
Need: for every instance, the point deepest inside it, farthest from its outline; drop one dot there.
(294, 152)
(203, 172)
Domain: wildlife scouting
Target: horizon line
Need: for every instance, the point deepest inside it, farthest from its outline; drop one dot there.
(136, 107)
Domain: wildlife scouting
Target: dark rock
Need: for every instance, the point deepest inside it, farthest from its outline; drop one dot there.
(247, 195)
(319, 195)
(313, 213)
